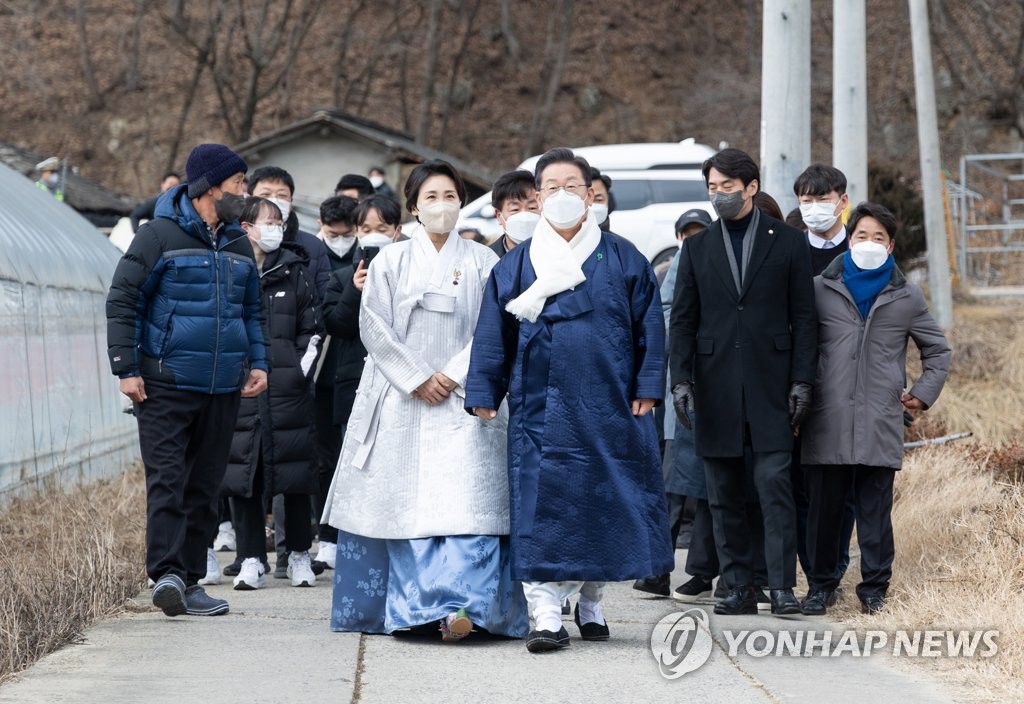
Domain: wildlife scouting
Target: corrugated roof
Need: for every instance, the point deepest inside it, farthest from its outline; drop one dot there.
(43, 242)
(80, 193)
(401, 144)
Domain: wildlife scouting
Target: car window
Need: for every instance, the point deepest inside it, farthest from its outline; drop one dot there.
(636, 194)
(676, 191)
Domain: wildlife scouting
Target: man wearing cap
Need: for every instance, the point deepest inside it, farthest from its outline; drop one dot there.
(185, 336)
(49, 177)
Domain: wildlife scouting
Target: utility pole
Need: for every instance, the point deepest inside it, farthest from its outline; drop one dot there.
(785, 97)
(931, 166)
(849, 96)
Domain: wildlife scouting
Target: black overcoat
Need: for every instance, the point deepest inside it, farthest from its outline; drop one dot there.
(743, 349)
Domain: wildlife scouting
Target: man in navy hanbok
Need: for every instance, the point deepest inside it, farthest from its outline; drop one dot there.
(571, 329)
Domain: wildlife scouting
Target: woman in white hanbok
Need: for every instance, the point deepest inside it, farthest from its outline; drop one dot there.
(420, 495)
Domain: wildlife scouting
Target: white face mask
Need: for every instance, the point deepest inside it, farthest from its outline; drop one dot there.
(284, 206)
(270, 237)
(439, 217)
(520, 226)
(869, 255)
(564, 209)
(599, 211)
(375, 239)
(339, 245)
(376, 181)
(819, 217)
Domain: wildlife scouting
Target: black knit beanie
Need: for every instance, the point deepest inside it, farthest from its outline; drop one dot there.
(210, 165)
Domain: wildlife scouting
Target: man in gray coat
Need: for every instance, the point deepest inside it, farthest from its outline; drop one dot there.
(853, 436)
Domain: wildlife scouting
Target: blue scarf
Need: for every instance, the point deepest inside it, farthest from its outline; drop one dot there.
(865, 285)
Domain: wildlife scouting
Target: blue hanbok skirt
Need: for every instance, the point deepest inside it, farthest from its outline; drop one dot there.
(381, 586)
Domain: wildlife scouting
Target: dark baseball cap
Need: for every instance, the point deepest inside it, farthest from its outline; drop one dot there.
(693, 216)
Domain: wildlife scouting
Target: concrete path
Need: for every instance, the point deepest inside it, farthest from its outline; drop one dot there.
(275, 646)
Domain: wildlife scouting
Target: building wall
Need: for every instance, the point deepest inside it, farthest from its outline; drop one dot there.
(316, 162)
(60, 408)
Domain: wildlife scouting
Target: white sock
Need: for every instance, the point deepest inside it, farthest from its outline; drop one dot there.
(548, 620)
(590, 611)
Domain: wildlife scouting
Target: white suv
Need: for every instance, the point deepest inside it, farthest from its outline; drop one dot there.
(653, 184)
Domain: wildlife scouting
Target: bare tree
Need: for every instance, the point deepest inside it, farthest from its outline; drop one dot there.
(556, 50)
(508, 32)
(132, 80)
(93, 95)
(341, 61)
(430, 71)
(453, 74)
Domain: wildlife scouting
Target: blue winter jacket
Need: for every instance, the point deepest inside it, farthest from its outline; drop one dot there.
(184, 305)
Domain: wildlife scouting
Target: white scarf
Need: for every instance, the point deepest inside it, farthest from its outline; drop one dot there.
(557, 264)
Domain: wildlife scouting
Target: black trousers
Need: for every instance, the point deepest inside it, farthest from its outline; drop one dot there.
(728, 481)
(328, 447)
(828, 487)
(702, 557)
(185, 437)
(251, 514)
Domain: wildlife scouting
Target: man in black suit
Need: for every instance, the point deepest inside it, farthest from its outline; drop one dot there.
(744, 351)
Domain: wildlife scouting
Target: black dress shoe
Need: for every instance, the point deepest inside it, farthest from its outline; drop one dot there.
(872, 604)
(741, 600)
(542, 641)
(817, 602)
(659, 585)
(784, 602)
(591, 631)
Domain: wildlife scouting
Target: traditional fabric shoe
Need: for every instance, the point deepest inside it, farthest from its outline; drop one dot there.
(300, 570)
(689, 592)
(225, 540)
(872, 605)
(659, 585)
(169, 595)
(456, 626)
(212, 568)
(251, 576)
(742, 599)
(817, 602)
(543, 641)
(784, 602)
(591, 631)
(199, 603)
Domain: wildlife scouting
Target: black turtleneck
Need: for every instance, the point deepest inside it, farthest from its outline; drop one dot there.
(737, 229)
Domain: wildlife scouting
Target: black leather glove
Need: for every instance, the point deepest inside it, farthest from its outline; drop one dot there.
(799, 403)
(682, 401)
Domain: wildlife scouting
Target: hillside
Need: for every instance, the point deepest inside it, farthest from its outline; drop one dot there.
(125, 87)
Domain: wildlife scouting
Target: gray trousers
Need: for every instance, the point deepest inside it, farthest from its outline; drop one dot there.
(728, 494)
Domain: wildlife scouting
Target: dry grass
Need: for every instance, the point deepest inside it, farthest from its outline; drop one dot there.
(67, 558)
(958, 513)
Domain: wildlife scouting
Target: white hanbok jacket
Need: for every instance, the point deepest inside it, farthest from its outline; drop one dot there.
(407, 469)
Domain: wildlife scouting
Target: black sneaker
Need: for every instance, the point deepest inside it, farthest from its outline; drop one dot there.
(199, 603)
(690, 592)
(659, 585)
(543, 641)
(817, 602)
(169, 595)
(741, 600)
(872, 604)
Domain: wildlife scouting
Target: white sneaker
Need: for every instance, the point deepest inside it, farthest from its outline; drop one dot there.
(300, 570)
(251, 576)
(326, 554)
(225, 540)
(212, 568)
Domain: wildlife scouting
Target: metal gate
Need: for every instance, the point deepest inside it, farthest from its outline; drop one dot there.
(987, 208)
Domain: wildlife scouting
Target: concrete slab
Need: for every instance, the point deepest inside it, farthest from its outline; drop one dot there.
(276, 646)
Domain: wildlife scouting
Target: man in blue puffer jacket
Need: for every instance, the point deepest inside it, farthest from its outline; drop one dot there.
(185, 336)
